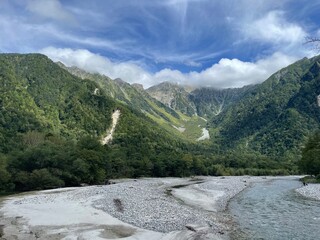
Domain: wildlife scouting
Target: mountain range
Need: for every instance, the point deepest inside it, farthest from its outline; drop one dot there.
(272, 118)
(52, 118)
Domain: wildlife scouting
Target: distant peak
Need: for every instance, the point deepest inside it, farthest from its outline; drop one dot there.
(119, 80)
(138, 86)
(166, 86)
(60, 64)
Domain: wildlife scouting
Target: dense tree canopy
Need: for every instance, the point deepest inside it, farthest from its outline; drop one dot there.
(310, 161)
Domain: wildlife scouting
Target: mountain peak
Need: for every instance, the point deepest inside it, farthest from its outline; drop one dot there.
(121, 82)
(173, 96)
(138, 86)
(315, 69)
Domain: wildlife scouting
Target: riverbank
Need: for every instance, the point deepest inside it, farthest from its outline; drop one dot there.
(274, 210)
(162, 208)
(310, 191)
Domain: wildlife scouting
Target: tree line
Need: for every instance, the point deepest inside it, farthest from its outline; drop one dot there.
(47, 161)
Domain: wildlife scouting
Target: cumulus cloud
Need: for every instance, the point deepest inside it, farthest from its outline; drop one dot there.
(226, 73)
(95, 63)
(274, 28)
(236, 73)
(51, 9)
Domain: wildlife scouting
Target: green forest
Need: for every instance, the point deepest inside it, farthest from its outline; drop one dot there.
(51, 123)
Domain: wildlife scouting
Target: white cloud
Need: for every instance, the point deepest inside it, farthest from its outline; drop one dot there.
(236, 73)
(274, 28)
(229, 73)
(91, 62)
(49, 9)
(224, 74)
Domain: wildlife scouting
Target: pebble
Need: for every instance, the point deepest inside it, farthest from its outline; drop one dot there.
(311, 191)
(148, 204)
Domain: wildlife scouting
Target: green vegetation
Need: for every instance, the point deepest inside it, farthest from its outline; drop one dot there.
(36, 94)
(310, 179)
(136, 98)
(51, 123)
(310, 161)
(193, 126)
(275, 117)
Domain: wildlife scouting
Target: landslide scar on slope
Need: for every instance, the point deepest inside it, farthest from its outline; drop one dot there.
(115, 117)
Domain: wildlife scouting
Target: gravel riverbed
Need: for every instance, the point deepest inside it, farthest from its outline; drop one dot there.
(166, 205)
(152, 208)
(149, 204)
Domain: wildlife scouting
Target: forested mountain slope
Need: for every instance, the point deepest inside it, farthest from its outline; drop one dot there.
(275, 117)
(51, 123)
(37, 95)
(125, 93)
(134, 96)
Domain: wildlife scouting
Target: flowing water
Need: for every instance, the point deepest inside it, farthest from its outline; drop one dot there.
(273, 210)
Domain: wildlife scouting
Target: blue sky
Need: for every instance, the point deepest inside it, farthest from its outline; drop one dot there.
(225, 43)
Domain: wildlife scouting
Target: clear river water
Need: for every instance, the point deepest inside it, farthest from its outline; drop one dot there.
(273, 210)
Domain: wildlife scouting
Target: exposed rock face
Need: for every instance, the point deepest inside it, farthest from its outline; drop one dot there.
(318, 100)
(206, 102)
(173, 96)
(211, 102)
(120, 82)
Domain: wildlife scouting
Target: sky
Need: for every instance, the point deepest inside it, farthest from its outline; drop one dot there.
(201, 43)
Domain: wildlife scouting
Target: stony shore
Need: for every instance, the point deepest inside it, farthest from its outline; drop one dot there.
(161, 208)
(310, 191)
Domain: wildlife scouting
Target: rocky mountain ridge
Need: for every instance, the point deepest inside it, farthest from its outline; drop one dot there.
(204, 102)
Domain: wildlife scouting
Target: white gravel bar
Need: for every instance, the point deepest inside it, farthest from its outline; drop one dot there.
(310, 191)
(153, 208)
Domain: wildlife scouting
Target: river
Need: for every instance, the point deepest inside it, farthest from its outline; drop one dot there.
(273, 210)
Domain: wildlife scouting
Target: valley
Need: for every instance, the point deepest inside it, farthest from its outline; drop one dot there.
(54, 116)
(159, 120)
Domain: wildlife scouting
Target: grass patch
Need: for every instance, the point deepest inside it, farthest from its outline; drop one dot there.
(194, 128)
(5, 194)
(310, 179)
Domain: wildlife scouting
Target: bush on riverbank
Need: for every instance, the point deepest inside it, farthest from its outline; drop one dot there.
(311, 179)
(310, 161)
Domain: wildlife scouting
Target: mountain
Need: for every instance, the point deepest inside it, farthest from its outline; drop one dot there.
(275, 117)
(37, 95)
(272, 118)
(211, 102)
(134, 96)
(173, 96)
(52, 123)
(204, 102)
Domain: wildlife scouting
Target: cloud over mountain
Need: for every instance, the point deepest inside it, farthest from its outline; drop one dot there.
(224, 74)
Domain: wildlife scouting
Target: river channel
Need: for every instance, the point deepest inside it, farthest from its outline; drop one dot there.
(274, 210)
